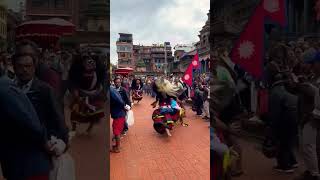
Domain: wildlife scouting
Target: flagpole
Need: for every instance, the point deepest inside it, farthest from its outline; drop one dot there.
(165, 59)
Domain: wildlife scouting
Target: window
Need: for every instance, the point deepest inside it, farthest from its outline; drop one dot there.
(101, 28)
(60, 3)
(40, 3)
(122, 54)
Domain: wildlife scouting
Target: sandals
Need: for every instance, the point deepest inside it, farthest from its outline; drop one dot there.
(115, 150)
(184, 124)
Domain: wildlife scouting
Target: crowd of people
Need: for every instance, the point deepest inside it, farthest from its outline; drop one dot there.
(127, 89)
(47, 93)
(286, 100)
(38, 89)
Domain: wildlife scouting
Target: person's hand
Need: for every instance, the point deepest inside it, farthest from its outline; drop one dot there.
(127, 107)
(58, 146)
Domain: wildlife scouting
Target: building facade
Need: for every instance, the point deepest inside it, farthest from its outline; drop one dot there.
(230, 16)
(228, 20)
(145, 58)
(158, 57)
(179, 51)
(204, 46)
(13, 20)
(97, 15)
(3, 26)
(46, 9)
(301, 19)
(125, 50)
(141, 58)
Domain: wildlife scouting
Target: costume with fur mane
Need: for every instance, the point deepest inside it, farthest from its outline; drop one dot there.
(87, 78)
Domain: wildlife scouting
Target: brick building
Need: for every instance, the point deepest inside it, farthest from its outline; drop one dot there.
(158, 57)
(125, 50)
(179, 51)
(143, 58)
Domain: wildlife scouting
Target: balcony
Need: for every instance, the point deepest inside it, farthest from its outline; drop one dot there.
(124, 61)
(204, 50)
(145, 56)
(157, 55)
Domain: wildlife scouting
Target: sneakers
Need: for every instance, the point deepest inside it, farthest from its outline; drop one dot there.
(124, 133)
(295, 166)
(284, 169)
(72, 134)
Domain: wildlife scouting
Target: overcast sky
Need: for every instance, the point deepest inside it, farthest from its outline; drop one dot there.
(157, 21)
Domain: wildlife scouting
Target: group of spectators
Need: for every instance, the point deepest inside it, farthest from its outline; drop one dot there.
(32, 115)
(34, 83)
(286, 100)
(201, 96)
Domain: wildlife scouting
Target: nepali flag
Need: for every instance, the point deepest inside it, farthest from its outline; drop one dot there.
(188, 75)
(248, 50)
(195, 61)
(275, 10)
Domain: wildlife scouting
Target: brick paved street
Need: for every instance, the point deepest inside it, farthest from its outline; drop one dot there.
(257, 167)
(90, 154)
(147, 155)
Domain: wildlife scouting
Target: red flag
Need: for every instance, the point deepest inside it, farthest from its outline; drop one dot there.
(195, 61)
(187, 77)
(276, 10)
(248, 50)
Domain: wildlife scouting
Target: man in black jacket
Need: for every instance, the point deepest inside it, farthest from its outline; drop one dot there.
(125, 97)
(24, 152)
(43, 99)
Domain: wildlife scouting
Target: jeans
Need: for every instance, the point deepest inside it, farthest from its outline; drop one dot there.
(198, 105)
(310, 135)
(206, 109)
(286, 157)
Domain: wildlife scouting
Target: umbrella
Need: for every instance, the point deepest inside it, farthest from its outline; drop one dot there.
(45, 31)
(123, 71)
